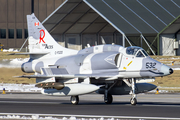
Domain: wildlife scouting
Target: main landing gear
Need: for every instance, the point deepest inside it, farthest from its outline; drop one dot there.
(74, 100)
(108, 99)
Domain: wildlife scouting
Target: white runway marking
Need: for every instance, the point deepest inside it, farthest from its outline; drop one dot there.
(75, 117)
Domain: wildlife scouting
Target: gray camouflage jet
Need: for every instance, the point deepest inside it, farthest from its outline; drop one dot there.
(106, 69)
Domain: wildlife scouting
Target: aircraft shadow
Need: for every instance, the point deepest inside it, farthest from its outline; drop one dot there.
(128, 103)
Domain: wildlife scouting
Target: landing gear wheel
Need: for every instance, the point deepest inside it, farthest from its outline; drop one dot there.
(133, 101)
(109, 99)
(74, 100)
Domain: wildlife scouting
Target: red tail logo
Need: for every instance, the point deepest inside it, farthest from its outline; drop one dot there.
(41, 37)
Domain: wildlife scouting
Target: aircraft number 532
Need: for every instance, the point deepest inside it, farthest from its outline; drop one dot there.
(150, 65)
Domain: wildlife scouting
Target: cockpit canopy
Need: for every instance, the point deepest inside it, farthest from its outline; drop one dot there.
(136, 51)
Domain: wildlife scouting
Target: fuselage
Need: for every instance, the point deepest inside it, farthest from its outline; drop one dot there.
(112, 60)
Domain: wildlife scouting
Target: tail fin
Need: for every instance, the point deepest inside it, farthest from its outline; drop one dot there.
(40, 41)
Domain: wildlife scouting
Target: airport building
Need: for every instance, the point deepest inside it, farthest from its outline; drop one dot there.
(151, 24)
(13, 22)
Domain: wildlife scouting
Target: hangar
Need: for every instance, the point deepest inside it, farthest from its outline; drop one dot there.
(169, 39)
(76, 23)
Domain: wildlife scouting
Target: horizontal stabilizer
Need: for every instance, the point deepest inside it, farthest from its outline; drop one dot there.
(27, 53)
(45, 76)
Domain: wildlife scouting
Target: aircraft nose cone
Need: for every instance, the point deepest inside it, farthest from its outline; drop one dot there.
(166, 70)
(171, 71)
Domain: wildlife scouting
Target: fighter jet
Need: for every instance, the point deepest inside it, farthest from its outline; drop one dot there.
(104, 69)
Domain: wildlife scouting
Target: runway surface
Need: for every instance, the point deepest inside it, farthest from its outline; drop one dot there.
(149, 105)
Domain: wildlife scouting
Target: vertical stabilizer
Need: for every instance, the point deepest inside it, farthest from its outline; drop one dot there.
(40, 40)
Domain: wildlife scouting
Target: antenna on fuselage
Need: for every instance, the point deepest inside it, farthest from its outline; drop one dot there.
(88, 45)
(103, 41)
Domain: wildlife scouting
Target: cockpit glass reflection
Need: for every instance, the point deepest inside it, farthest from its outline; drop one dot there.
(139, 54)
(134, 50)
(145, 53)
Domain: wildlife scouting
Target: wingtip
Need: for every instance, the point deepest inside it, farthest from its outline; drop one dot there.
(11, 54)
(17, 76)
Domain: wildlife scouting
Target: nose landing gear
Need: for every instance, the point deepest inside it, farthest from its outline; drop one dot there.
(132, 83)
(133, 99)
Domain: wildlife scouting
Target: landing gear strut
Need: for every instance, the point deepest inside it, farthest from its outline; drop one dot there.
(108, 99)
(133, 100)
(74, 100)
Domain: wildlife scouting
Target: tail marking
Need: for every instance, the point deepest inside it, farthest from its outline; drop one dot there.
(41, 37)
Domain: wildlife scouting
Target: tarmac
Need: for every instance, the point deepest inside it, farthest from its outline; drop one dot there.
(149, 106)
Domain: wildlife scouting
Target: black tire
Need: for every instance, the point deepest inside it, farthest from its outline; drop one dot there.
(74, 100)
(133, 101)
(109, 99)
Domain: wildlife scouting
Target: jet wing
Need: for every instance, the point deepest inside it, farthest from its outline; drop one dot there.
(103, 75)
(106, 77)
